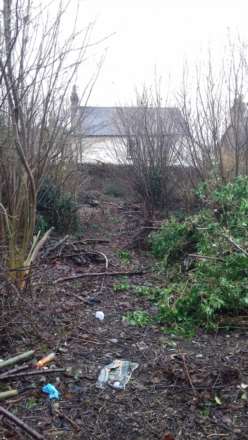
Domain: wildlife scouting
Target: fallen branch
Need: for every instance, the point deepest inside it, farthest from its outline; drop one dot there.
(103, 255)
(6, 394)
(205, 257)
(82, 254)
(33, 373)
(68, 419)
(53, 248)
(98, 274)
(14, 370)
(236, 245)
(18, 358)
(187, 373)
(94, 240)
(21, 424)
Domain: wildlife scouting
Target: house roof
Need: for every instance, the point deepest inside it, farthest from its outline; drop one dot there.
(105, 121)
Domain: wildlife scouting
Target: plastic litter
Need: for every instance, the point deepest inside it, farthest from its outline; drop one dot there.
(45, 360)
(91, 301)
(116, 374)
(99, 315)
(52, 392)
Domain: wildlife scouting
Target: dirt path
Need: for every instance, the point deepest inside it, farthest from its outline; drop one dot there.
(191, 389)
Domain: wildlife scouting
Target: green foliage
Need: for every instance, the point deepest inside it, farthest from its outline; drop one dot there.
(125, 257)
(41, 224)
(170, 242)
(200, 290)
(138, 317)
(156, 187)
(122, 286)
(56, 208)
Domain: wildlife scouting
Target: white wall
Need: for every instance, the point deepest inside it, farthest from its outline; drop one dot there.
(103, 149)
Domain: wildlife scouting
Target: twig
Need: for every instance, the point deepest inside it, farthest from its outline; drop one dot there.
(6, 394)
(68, 419)
(18, 358)
(34, 252)
(21, 424)
(75, 296)
(205, 257)
(53, 248)
(34, 373)
(104, 256)
(187, 374)
(13, 371)
(236, 245)
(94, 240)
(98, 274)
(84, 253)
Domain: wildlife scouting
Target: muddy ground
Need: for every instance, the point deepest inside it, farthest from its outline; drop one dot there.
(193, 389)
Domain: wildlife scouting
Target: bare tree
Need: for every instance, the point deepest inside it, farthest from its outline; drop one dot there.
(37, 67)
(215, 117)
(149, 133)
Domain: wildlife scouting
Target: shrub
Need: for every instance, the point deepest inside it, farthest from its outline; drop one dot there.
(114, 190)
(57, 209)
(212, 281)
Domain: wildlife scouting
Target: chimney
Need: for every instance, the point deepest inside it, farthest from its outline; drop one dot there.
(74, 107)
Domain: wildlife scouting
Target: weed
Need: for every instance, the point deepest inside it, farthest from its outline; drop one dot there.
(205, 412)
(31, 403)
(125, 256)
(121, 287)
(138, 317)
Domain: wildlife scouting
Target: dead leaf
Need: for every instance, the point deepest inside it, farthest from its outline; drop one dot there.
(168, 436)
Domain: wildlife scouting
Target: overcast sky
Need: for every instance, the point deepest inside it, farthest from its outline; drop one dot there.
(154, 34)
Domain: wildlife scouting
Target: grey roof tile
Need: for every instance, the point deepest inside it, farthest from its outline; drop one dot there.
(103, 121)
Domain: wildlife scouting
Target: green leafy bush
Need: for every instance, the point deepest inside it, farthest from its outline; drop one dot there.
(138, 317)
(56, 208)
(204, 258)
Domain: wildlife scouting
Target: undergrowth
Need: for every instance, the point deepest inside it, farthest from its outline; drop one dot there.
(56, 208)
(204, 262)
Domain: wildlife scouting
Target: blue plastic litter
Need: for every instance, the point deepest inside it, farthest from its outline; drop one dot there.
(51, 391)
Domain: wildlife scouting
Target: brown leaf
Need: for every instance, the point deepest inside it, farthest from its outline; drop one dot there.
(168, 436)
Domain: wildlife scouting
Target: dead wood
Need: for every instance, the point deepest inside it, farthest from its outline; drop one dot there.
(14, 370)
(56, 246)
(18, 358)
(98, 274)
(94, 240)
(33, 373)
(21, 424)
(7, 394)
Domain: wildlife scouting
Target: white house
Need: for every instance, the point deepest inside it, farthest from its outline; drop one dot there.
(100, 132)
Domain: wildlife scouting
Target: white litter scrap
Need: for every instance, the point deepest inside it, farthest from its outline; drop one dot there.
(99, 315)
(116, 374)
